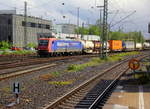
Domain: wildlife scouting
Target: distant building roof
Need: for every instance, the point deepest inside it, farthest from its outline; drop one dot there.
(7, 11)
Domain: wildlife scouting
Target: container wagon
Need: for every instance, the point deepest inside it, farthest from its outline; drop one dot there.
(115, 45)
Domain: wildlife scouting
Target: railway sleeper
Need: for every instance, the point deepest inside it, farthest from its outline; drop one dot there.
(82, 106)
(66, 105)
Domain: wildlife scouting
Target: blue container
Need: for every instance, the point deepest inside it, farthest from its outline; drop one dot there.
(123, 45)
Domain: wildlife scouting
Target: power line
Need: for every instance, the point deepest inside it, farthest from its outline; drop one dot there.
(122, 19)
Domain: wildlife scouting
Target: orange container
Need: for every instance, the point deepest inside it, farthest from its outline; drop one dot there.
(115, 45)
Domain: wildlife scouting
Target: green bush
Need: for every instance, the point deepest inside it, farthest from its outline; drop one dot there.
(31, 45)
(97, 61)
(4, 45)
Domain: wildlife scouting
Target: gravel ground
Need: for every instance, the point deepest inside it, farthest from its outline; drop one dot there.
(37, 92)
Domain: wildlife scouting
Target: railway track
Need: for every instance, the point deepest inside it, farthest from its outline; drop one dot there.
(16, 57)
(90, 94)
(48, 62)
(24, 61)
(17, 73)
(27, 62)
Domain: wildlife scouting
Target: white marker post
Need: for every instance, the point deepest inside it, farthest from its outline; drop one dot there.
(16, 90)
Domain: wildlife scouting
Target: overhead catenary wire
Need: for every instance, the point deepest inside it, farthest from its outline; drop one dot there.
(122, 19)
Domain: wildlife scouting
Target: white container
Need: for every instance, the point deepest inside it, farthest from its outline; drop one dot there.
(129, 45)
(138, 46)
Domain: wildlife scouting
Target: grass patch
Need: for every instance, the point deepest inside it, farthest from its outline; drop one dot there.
(97, 61)
(17, 52)
(56, 73)
(46, 76)
(49, 75)
(60, 82)
(6, 89)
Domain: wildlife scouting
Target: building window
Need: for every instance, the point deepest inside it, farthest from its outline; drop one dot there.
(33, 24)
(9, 22)
(23, 23)
(9, 38)
(39, 25)
(47, 26)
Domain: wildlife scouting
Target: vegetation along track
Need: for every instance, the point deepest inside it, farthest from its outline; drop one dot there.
(90, 94)
(50, 63)
(26, 61)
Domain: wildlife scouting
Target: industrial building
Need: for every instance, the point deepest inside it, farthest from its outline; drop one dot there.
(12, 29)
(65, 28)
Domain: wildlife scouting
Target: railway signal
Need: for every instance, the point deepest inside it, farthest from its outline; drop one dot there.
(16, 90)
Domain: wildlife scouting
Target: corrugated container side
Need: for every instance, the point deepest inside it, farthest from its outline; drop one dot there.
(115, 45)
(129, 45)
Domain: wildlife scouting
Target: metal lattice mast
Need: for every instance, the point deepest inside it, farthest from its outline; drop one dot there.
(104, 31)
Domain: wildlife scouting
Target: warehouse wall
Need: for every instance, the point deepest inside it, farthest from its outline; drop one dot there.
(34, 26)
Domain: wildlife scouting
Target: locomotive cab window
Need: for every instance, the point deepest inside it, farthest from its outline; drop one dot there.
(43, 42)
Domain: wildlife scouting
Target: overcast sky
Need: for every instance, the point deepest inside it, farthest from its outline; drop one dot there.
(118, 9)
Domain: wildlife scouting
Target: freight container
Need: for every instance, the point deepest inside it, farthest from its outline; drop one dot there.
(115, 45)
(139, 46)
(128, 45)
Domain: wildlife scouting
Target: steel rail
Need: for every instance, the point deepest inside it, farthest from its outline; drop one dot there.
(30, 70)
(21, 72)
(38, 61)
(102, 95)
(94, 105)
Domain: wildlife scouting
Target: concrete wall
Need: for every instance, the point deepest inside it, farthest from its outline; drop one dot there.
(5, 28)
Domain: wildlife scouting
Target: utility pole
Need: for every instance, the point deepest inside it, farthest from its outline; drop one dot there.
(104, 31)
(25, 26)
(78, 21)
(82, 30)
(100, 35)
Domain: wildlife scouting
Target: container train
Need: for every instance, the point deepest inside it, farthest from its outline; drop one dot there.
(53, 46)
